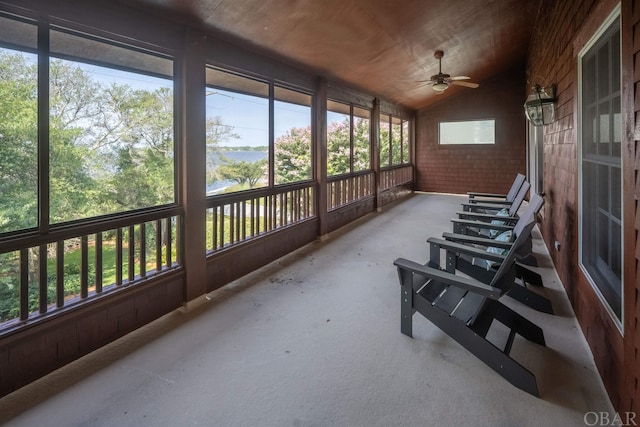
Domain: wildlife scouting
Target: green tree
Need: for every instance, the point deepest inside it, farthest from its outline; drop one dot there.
(242, 172)
(338, 148)
(293, 156)
(216, 133)
(75, 101)
(385, 145)
(18, 142)
(144, 154)
(361, 144)
(396, 144)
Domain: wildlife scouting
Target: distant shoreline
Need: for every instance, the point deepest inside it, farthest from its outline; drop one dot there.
(244, 148)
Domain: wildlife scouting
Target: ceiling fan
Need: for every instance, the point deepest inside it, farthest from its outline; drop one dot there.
(440, 82)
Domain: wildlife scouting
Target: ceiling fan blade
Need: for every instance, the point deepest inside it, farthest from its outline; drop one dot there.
(438, 93)
(465, 84)
(459, 78)
(424, 81)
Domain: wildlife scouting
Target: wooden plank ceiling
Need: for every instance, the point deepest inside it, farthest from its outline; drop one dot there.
(384, 47)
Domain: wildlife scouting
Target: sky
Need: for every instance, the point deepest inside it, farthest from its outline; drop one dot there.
(249, 117)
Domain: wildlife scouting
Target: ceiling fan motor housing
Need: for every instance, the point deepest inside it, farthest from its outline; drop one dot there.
(441, 81)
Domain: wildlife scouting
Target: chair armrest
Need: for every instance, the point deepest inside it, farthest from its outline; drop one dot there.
(489, 201)
(473, 194)
(486, 217)
(465, 249)
(462, 238)
(485, 208)
(451, 279)
(487, 204)
(481, 224)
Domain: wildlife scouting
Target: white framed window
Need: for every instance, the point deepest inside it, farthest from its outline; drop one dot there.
(600, 171)
(468, 132)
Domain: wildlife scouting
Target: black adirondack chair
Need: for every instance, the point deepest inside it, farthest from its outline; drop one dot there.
(466, 308)
(519, 292)
(487, 212)
(494, 198)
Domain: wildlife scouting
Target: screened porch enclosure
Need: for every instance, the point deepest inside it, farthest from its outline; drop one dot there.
(140, 173)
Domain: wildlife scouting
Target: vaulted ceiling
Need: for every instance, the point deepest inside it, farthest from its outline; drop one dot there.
(382, 46)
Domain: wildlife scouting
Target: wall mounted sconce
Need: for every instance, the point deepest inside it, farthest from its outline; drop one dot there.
(540, 107)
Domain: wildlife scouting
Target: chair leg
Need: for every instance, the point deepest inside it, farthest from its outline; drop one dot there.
(406, 310)
(484, 350)
(500, 362)
(530, 299)
(529, 276)
(522, 326)
(529, 260)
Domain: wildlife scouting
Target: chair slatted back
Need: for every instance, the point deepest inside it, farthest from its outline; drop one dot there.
(532, 209)
(522, 193)
(515, 187)
(497, 281)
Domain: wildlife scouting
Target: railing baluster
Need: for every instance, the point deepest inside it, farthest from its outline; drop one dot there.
(132, 254)
(267, 213)
(351, 184)
(98, 244)
(238, 220)
(255, 217)
(169, 240)
(158, 245)
(307, 197)
(119, 256)
(231, 223)
(178, 238)
(222, 236)
(24, 284)
(214, 226)
(42, 278)
(243, 208)
(143, 249)
(84, 266)
(282, 210)
(60, 273)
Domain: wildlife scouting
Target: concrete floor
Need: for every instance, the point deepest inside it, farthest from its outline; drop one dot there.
(314, 340)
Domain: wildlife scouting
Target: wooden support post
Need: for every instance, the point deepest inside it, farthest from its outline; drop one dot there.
(191, 138)
(320, 146)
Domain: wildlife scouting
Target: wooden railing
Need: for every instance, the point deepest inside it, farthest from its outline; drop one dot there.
(76, 263)
(395, 176)
(237, 217)
(343, 190)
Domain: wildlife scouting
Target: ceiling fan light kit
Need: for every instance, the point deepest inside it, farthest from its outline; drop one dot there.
(440, 87)
(441, 81)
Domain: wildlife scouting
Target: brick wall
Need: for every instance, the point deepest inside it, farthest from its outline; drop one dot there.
(561, 32)
(486, 168)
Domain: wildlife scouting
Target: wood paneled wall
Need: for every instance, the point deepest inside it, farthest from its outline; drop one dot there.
(486, 168)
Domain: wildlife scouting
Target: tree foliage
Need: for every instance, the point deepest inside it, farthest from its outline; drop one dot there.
(293, 156)
(18, 143)
(243, 172)
(339, 147)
